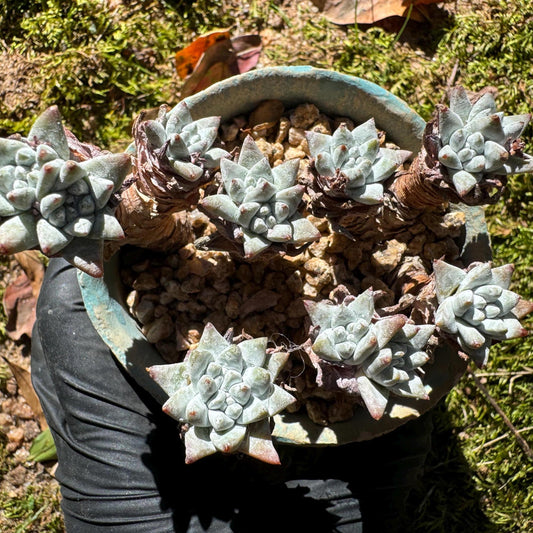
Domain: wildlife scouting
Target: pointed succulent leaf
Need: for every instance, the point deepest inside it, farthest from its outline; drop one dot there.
(177, 118)
(9, 149)
(325, 347)
(303, 231)
(221, 205)
(374, 396)
(18, 233)
(250, 153)
(447, 279)
(171, 378)
(485, 104)
(48, 129)
(317, 142)
(285, 175)
(176, 405)
(51, 239)
(517, 165)
(213, 157)
(254, 244)
(464, 182)
(155, 134)
(514, 125)
(386, 328)
(364, 132)
(106, 227)
(368, 194)
(228, 441)
(187, 170)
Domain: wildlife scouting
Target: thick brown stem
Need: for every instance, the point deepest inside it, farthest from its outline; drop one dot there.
(413, 189)
(146, 225)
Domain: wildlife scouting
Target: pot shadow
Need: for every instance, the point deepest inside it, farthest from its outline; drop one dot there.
(320, 489)
(233, 493)
(445, 499)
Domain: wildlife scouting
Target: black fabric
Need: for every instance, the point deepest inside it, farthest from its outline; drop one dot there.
(121, 460)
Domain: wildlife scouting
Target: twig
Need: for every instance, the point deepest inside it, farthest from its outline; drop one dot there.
(504, 373)
(501, 437)
(523, 444)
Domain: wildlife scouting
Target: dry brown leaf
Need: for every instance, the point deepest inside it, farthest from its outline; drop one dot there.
(23, 379)
(345, 12)
(222, 57)
(32, 263)
(19, 305)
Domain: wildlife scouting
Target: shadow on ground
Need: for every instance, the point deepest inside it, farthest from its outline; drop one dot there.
(446, 499)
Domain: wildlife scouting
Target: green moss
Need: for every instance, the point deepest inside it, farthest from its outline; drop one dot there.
(101, 68)
(37, 510)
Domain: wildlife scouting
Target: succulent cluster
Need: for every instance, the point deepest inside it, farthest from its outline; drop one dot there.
(226, 393)
(261, 202)
(477, 141)
(49, 200)
(477, 307)
(185, 144)
(386, 353)
(352, 164)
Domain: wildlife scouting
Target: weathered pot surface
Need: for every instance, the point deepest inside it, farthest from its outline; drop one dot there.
(332, 93)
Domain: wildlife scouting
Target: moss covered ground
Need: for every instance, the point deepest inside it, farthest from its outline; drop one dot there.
(104, 61)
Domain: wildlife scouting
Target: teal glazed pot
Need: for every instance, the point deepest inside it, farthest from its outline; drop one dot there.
(336, 94)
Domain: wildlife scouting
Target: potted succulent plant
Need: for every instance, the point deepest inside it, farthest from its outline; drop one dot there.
(297, 254)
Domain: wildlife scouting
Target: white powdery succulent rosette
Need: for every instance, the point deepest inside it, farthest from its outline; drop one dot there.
(476, 307)
(226, 394)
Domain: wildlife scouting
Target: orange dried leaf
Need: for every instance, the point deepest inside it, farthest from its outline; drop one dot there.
(187, 58)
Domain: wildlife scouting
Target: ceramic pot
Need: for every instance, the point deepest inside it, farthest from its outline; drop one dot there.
(334, 94)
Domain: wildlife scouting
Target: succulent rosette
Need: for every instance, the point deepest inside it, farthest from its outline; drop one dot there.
(385, 353)
(352, 164)
(178, 147)
(226, 394)
(477, 308)
(395, 368)
(51, 201)
(261, 202)
(477, 143)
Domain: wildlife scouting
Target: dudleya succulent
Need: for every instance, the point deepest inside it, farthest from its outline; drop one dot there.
(226, 393)
(477, 307)
(395, 368)
(385, 353)
(49, 200)
(261, 202)
(478, 142)
(352, 164)
(180, 144)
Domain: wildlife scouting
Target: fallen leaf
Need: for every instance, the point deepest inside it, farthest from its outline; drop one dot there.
(222, 59)
(19, 305)
(32, 263)
(187, 58)
(247, 50)
(344, 12)
(43, 447)
(23, 379)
